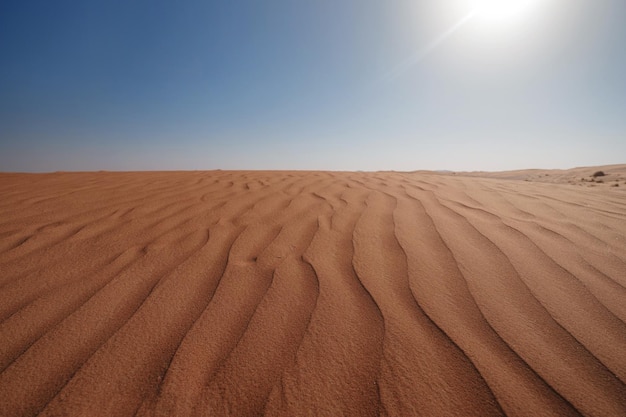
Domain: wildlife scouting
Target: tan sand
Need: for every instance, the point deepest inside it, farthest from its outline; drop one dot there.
(312, 294)
(612, 176)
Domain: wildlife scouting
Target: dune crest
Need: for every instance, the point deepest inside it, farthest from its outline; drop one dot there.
(311, 293)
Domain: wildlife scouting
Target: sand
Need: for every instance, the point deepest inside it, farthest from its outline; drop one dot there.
(603, 176)
(312, 294)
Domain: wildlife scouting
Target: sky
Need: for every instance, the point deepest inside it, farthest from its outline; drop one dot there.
(326, 84)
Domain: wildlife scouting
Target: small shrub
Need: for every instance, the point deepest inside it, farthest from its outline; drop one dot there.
(598, 174)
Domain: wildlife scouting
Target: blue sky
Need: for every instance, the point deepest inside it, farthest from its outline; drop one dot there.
(283, 84)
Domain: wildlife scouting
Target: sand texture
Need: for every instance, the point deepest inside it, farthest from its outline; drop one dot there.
(310, 294)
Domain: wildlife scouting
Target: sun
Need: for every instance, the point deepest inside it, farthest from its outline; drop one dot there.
(500, 11)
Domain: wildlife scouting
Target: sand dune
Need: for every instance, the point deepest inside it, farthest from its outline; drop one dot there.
(312, 293)
(612, 176)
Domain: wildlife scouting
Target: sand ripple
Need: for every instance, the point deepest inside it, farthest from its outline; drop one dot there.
(310, 293)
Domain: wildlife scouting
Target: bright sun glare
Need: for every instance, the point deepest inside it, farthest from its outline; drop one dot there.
(500, 11)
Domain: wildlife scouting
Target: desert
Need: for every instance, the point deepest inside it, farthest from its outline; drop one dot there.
(354, 208)
(301, 293)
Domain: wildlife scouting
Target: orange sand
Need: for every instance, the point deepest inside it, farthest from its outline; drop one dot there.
(311, 294)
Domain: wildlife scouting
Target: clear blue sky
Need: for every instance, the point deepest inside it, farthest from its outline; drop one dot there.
(324, 84)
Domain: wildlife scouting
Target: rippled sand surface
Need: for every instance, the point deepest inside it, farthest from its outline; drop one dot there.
(310, 294)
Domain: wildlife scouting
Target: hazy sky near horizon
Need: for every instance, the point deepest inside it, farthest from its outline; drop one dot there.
(325, 84)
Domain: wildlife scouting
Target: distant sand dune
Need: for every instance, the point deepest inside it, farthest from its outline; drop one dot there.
(312, 293)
